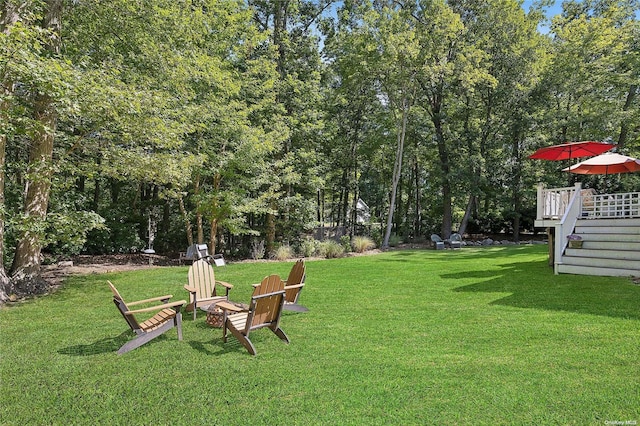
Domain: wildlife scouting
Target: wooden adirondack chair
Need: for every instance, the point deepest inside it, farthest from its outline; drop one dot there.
(202, 286)
(264, 311)
(293, 287)
(168, 316)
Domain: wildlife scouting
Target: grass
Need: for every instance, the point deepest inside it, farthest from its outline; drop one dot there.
(475, 336)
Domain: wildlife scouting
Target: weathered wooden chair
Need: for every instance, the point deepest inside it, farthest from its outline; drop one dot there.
(202, 286)
(438, 243)
(169, 316)
(264, 311)
(293, 287)
(454, 241)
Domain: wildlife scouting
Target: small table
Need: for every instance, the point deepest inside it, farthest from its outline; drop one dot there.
(217, 312)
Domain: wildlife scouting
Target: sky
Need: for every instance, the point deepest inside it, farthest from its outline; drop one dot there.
(551, 10)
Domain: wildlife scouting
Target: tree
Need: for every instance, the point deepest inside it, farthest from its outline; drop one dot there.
(44, 77)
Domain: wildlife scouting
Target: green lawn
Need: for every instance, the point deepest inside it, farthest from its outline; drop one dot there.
(473, 336)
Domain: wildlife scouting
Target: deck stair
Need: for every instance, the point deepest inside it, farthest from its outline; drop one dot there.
(611, 247)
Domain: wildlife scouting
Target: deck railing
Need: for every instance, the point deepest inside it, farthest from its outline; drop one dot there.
(554, 202)
(611, 205)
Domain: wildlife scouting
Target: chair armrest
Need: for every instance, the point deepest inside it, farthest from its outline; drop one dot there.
(229, 307)
(189, 288)
(273, 293)
(153, 299)
(158, 307)
(292, 286)
(225, 284)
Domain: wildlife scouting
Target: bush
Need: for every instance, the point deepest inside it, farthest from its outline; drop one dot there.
(257, 249)
(283, 252)
(376, 236)
(345, 240)
(330, 249)
(308, 247)
(395, 240)
(361, 244)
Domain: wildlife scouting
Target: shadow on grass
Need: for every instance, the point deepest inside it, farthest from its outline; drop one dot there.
(533, 285)
(492, 252)
(102, 346)
(215, 346)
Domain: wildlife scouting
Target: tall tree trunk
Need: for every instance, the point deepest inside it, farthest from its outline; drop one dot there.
(467, 214)
(447, 215)
(199, 229)
(270, 234)
(213, 234)
(9, 15)
(4, 278)
(417, 220)
(25, 271)
(187, 222)
(624, 126)
(397, 170)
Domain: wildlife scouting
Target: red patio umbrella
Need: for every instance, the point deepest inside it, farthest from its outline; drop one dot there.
(606, 164)
(570, 150)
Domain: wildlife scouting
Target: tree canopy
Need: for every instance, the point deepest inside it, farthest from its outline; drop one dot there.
(247, 122)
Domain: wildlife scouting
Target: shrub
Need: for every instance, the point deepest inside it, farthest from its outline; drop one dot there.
(395, 240)
(361, 244)
(283, 252)
(257, 249)
(345, 241)
(330, 249)
(376, 236)
(308, 247)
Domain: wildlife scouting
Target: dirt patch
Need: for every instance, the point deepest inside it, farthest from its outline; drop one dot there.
(84, 265)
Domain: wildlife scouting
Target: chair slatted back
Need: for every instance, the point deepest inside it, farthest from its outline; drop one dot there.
(296, 276)
(202, 278)
(122, 307)
(265, 310)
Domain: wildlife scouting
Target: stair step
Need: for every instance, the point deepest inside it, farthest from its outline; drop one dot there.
(603, 263)
(611, 247)
(593, 270)
(619, 245)
(626, 238)
(626, 230)
(588, 251)
(605, 223)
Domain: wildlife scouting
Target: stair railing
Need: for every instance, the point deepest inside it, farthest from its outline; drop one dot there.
(566, 225)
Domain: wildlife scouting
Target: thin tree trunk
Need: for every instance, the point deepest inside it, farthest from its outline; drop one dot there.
(397, 171)
(199, 230)
(213, 234)
(25, 270)
(187, 222)
(624, 127)
(467, 214)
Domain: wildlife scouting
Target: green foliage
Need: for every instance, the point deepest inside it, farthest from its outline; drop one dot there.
(210, 105)
(345, 242)
(330, 249)
(490, 329)
(361, 244)
(308, 247)
(395, 240)
(283, 252)
(67, 233)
